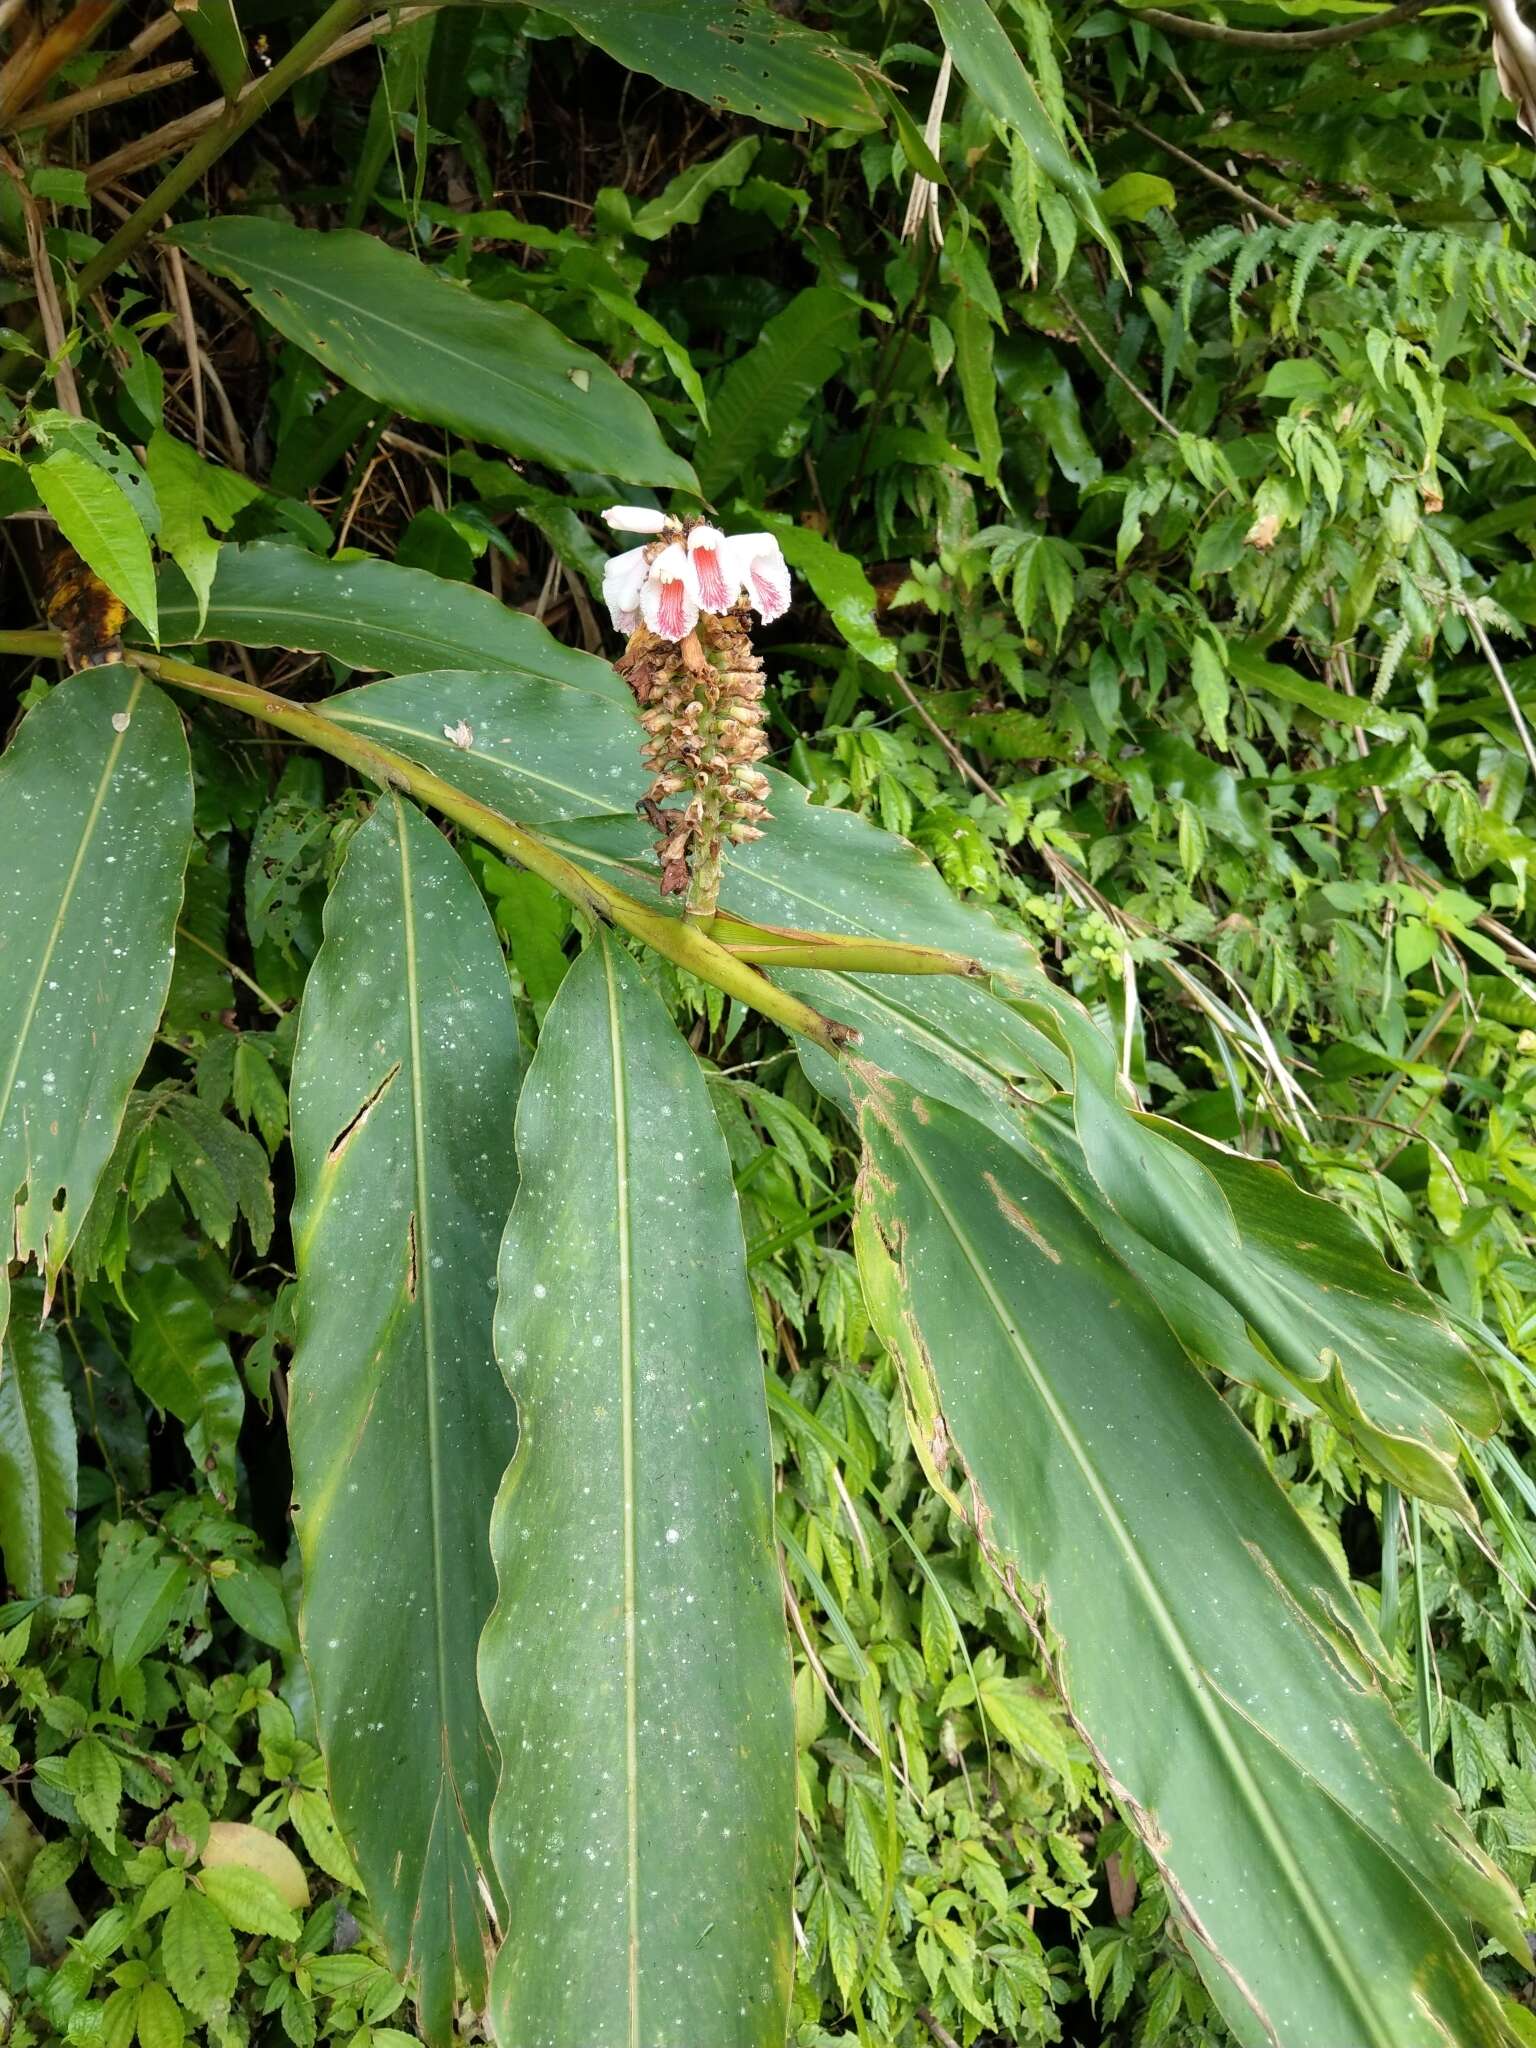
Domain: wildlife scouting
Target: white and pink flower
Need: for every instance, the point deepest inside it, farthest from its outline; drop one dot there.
(683, 570)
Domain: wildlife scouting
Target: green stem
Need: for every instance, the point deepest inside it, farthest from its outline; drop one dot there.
(672, 937)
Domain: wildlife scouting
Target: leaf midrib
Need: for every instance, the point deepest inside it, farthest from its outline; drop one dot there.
(627, 1427)
(424, 1284)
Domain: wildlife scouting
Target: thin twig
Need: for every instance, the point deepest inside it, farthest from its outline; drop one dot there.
(55, 340)
(1084, 334)
(1193, 163)
(176, 274)
(1278, 41)
(941, 2034)
(1469, 613)
(104, 92)
(164, 142)
(149, 39)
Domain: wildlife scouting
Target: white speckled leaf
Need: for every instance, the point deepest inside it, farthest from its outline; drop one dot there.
(95, 829)
(635, 1669)
(1215, 1662)
(536, 750)
(405, 1083)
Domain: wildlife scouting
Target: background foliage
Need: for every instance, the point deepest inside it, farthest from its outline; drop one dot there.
(1164, 536)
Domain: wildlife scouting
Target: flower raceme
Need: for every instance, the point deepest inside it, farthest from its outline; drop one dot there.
(689, 567)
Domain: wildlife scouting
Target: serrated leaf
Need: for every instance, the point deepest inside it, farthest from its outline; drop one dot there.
(658, 1800)
(138, 1588)
(249, 1901)
(96, 1786)
(102, 525)
(95, 825)
(403, 333)
(1208, 1650)
(178, 1359)
(405, 1080)
(198, 1951)
(37, 1454)
(775, 381)
(311, 1815)
(159, 2018)
(195, 495)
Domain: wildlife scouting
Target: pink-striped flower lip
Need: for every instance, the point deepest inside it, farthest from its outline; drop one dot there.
(688, 566)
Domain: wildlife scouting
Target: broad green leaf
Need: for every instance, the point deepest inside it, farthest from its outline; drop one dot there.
(158, 2018)
(371, 615)
(774, 382)
(752, 61)
(95, 1780)
(537, 750)
(840, 584)
(198, 1951)
(179, 1360)
(1366, 1344)
(249, 1901)
(193, 496)
(635, 1668)
(96, 517)
(685, 197)
(388, 325)
(138, 1588)
(95, 826)
(1208, 1652)
(994, 71)
(405, 1081)
(37, 1454)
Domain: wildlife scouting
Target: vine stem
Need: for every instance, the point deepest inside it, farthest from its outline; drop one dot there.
(674, 938)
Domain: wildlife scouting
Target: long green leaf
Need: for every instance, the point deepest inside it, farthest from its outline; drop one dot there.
(747, 57)
(635, 1669)
(37, 1454)
(774, 381)
(371, 615)
(1367, 1344)
(404, 1084)
(390, 326)
(994, 71)
(95, 828)
(1208, 1653)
